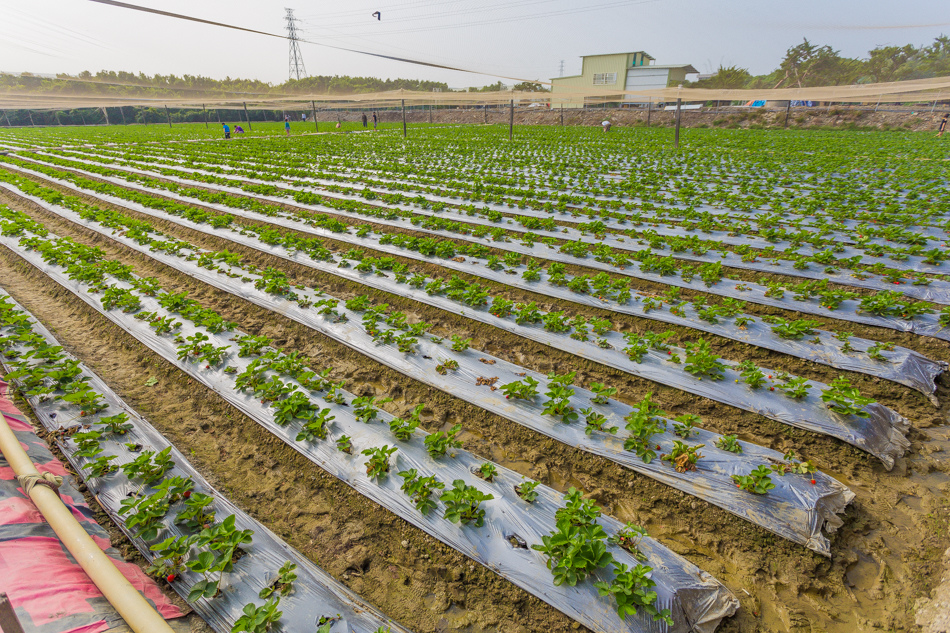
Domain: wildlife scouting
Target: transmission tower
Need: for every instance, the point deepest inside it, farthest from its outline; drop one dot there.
(297, 71)
(561, 74)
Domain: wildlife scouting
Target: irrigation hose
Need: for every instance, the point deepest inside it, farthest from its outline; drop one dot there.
(131, 605)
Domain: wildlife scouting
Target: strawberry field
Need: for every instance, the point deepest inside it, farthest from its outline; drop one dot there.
(465, 383)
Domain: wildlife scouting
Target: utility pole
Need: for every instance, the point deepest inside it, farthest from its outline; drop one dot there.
(511, 120)
(168, 116)
(676, 136)
(316, 126)
(297, 71)
(247, 117)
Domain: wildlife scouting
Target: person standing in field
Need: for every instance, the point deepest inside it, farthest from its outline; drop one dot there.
(287, 124)
(943, 125)
(227, 130)
(375, 119)
(364, 119)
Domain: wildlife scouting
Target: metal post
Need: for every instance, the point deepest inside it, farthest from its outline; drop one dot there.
(485, 110)
(247, 117)
(511, 120)
(676, 136)
(562, 115)
(933, 107)
(316, 126)
(404, 118)
(430, 113)
(8, 118)
(9, 623)
(878, 102)
(168, 116)
(205, 110)
(788, 107)
(649, 110)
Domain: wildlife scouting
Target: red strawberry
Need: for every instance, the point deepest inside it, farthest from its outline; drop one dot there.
(187, 494)
(813, 482)
(170, 578)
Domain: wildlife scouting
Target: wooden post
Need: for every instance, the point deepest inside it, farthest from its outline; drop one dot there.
(878, 102)
(676, 136)
(511, 120)
(485, 110)
(205, 110)
(788, 107)
(649, 110)
(430, 113)
(9, 623)
(404, 118)
(247, 117)
(562, 115)
(313, 108)
(168, 116)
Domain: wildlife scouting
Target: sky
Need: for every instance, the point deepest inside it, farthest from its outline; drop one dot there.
(523, 39)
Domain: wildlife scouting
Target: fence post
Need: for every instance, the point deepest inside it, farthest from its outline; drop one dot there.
(247, 117)
(430, 113)
(404, 118)
(168, 116)
(649, 110)
(788, 107)
(562, 115)
(8, 118)
(676, 136)
(316, 126)
(511, 120)
(205, 110)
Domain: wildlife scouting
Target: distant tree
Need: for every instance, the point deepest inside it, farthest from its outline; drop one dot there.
(725, 78)
(528, 86)
(887, 63)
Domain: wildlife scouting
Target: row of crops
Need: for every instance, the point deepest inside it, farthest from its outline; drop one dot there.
(798, 293)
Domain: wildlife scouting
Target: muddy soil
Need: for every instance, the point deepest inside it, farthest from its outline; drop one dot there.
(886, 555)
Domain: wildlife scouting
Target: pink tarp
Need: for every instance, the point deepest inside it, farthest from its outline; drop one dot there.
(45, 585)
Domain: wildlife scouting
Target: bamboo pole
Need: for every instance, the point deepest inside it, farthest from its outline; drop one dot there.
(134, 609)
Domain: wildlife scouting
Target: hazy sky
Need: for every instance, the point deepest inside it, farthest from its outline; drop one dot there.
(518, 38)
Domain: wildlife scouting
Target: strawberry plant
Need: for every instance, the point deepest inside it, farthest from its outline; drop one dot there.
(683, 425)
(296, 406)
(844, 399)
(729, 443)
(792, 465)
(757, 482)
(197, 513)
(595, 421)
(420, 489)
(795, 387)
(120, 298)
(364, 408)
(559, 403)
(101, 466)
(683, 457)
(643, 424)
(252, 345)
(378, 465)
(283, 585)
(630, 588)
(637, 347)
(463, 504)
(460, 344)
(487, 471)
(501, 307)
(875, 351)
(794, 330)
(149, 466)
(700, 361)
(526, 490)
(438, 443)
(602, 393)
(88, 444)
(316, 428)
(171, 556)
(145, 514)
(629, 537)
(525, 389)
(577, 546)
(527, 313)
(403, 428)
(751, 375)
(344, 444)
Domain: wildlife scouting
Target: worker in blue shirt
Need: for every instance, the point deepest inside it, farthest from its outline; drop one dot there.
(227, 130)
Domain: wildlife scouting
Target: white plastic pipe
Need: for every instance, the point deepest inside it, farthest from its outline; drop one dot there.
(131, 605)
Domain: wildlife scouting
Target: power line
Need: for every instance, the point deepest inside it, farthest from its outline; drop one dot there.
(297, 70)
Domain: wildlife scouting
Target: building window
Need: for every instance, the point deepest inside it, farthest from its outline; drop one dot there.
(605, 79)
